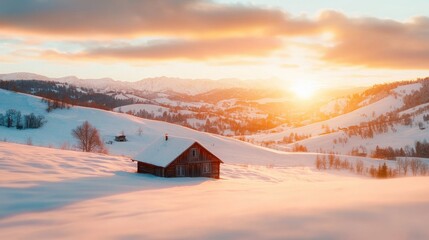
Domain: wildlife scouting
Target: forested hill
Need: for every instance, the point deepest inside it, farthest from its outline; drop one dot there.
(66, 93)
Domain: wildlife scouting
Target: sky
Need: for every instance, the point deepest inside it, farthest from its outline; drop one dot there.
(323, 42)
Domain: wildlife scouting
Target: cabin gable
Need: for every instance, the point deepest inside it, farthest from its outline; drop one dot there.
(196, 161)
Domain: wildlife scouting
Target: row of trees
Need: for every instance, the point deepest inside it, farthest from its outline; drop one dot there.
(382, 171)
(66, 94)
(55, 104)
(418, 97)
(299, 148)
(295, 137)
(13, 118)
(420, 149)
(416, 166)
(331, 161)
(213, 122)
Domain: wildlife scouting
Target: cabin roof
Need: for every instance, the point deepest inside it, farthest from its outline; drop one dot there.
(161, 152)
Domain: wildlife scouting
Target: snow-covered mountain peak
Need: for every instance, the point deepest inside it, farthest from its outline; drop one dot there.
(23, 76)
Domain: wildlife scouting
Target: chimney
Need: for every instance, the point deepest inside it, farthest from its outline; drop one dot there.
(166, 137)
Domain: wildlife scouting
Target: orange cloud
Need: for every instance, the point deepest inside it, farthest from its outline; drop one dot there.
(204, 29)
(378, 43)
(179, 49)
(116, 18)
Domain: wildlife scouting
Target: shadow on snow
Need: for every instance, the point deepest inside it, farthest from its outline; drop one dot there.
(51, 195)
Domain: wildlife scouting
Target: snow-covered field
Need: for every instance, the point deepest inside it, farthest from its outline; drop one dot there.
(47, 193)
(57, 194)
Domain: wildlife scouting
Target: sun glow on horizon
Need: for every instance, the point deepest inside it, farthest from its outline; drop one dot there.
(304, 89)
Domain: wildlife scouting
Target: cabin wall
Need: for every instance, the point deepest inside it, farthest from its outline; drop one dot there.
(148, 168)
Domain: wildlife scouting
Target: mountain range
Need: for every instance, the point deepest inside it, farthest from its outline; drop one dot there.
(158, 84)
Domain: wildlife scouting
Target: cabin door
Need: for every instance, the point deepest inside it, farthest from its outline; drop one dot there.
(192, 170)
(195, 170)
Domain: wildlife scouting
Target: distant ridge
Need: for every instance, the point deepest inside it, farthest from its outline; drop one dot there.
(157, 84)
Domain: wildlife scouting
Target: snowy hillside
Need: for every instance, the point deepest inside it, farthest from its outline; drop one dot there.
(343, 134)
(57, 132)
(51, 194)
(364, 114)
(262, 193)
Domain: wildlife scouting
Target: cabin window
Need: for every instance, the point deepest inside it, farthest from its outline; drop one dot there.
(207, 168)
(180, 171)
(194, 152)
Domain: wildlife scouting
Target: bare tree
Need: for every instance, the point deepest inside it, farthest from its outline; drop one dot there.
(29, 141)
(140, 131)
(403, 165)
(415, 165)
(318, 162)
(88, 138)
(424, 169)
(359, 166)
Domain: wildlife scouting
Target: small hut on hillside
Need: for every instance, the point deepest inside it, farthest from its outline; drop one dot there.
(178, 157)
(121, 138)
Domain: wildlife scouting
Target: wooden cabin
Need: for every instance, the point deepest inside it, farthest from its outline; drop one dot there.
(178, 157)
(120, 138)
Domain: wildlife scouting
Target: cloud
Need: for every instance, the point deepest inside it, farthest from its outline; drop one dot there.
(136, 18)
(377, 43)
(179, 49)
(204, 29)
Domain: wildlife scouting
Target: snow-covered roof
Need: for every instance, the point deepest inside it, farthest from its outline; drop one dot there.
(162, 152)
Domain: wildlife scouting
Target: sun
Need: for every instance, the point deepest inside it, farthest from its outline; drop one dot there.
(304, 89)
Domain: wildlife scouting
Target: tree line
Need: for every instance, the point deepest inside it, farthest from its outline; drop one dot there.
(403, 166)
(13, 118)
(65, 93)
(420, 150)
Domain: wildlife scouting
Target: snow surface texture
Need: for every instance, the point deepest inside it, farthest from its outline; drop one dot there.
(56, 194)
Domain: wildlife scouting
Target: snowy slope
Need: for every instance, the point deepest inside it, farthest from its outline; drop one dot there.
(364, 114)
(23, 166)
(334, 106)
(404, 136)
(48, 193)
(57, 133)
(397, 136)
(57, 194)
